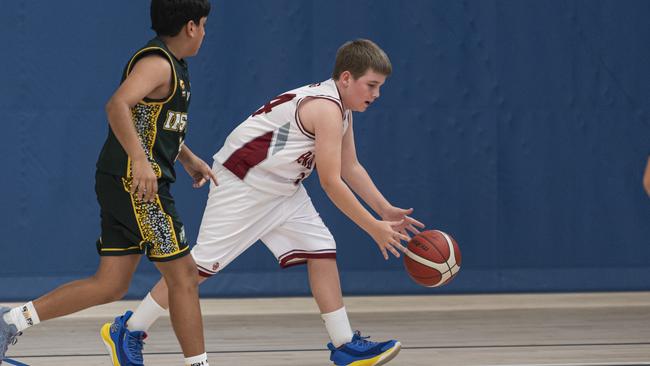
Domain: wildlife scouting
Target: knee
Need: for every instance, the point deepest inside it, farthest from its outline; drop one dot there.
(186, 278)
(184, 288)
(178, 281)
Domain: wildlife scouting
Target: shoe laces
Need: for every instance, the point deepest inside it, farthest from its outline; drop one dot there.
(134, 344)
(357, 339)
(13, 340)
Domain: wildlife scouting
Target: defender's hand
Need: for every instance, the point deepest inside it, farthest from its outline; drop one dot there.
(387, 238)
(200, 172)
(145, 182)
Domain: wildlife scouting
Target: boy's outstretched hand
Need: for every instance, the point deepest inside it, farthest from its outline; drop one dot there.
(405, 223)
(387, 237)
(200, 172)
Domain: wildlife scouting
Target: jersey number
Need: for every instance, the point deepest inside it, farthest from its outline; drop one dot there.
(176, 121)
(274, 103)
(300, 178)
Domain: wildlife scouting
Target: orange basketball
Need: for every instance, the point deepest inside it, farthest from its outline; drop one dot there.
(433, 258)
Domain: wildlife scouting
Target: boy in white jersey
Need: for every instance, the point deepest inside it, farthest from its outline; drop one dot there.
(259, 195)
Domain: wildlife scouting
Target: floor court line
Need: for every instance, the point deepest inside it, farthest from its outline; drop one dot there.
(18, 363)
(13, 362)
(583, 364)
(569, 330)
(403, 348)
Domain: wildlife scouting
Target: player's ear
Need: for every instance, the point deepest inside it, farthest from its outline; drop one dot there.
(190, 28)
(345, 78)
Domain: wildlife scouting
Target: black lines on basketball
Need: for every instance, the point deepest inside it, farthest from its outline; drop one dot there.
(436, 245)
(431, 259)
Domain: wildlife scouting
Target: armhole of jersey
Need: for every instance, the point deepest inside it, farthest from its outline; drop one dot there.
(349, 120)
(300, 126)
(143, 52)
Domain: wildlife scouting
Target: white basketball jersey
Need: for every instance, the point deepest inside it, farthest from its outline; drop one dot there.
(271, 150)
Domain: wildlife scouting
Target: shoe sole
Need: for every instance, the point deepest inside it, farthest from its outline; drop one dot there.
(382, 359)
(3, 310)
(108, 342)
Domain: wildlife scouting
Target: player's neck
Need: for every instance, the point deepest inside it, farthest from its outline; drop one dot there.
(341, 91)
(175, 46)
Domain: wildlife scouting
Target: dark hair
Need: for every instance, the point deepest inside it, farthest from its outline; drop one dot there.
(169, 16)
(360, 55)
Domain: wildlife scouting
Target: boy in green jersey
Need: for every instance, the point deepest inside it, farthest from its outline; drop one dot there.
(148, 120)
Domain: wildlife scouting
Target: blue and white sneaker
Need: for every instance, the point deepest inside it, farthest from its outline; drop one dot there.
(8, 333)
(123, 346)
(362, 352)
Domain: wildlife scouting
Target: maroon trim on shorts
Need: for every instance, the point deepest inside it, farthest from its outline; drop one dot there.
(204, 272)
(206, 275)
(301, 258)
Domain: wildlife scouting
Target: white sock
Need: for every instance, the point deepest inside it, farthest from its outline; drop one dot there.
(22, 317)
(338, 327)
(200, 360)
(146, 314)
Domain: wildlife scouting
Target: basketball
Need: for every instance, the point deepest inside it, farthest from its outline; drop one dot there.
(433, 258)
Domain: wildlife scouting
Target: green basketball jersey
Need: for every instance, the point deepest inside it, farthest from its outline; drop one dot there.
(161, 124)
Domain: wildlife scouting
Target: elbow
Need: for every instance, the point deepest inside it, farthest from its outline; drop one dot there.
(109, 107)
(329, 184)
(115, 106)
(348, 171)
(345, 173)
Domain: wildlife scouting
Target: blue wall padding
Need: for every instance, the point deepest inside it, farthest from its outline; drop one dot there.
(520, 127)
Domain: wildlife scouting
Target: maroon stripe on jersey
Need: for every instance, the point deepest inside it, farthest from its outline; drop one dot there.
(249, 155)
(300, 258)
(301, 127)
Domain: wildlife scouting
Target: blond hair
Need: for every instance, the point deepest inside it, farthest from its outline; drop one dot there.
(360, 55)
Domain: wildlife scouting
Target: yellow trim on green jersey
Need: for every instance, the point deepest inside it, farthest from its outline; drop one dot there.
(171, 62)
(148, 116)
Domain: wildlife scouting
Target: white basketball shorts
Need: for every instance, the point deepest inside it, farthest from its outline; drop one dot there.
(237, 215)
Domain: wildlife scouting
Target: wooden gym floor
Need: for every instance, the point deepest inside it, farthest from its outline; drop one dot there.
(528, 329)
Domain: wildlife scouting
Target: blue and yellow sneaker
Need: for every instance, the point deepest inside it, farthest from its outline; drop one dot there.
(132, 345)
(8, 333)
(124, 346)
(362, 352)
